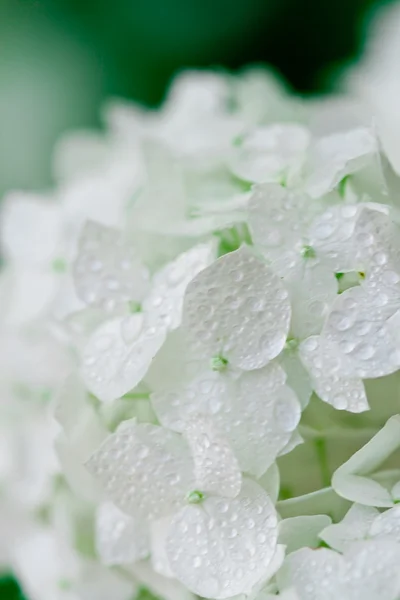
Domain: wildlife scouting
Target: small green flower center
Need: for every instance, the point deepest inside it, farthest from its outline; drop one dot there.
(308, 252)
(195, 497)
(134, 307)
(219, 363)
(292, 344)
(64, 584)
(59, 265)
(283, 180)
(238, 140)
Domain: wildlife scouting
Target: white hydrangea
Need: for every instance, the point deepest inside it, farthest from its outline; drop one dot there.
(200, 358)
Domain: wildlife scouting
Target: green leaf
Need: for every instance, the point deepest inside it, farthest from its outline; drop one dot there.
(9, 588)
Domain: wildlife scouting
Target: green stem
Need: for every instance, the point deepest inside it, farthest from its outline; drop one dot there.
(322, 455)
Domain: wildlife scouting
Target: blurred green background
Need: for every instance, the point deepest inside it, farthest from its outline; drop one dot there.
(60, 58)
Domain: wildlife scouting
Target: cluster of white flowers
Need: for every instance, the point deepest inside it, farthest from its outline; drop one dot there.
(191, 325)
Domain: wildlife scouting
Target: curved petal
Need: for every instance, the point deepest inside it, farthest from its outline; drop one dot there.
(215, 466)
(111, 366)
(146, 470)
(351, 480)
(237, 308)
(223, 547)
(30, 229)
(120, 539)
(256, 411)
(271, 152)
(365, 333)
(330, 377)
(164, 303)
(297, 532)
(337, 155)
(386, 525)
(278, 218)
(354, 526)
(107, 271)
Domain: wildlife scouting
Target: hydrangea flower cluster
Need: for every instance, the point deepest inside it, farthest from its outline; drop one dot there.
(200, 372)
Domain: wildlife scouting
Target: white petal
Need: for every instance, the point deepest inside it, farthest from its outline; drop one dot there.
(386, 525)
(331, 235)
(314, 574)
(40, 561)
(80, 324)
(237, 308)
(107, 271)
(372, 570)
(354, 526)
(324, 501)
(337, 155)
(111, 366)
(120, 539)
(271, 153)
(158, 535)
(330, 377)
(101, 196)
(79, 152)
(378, 253)
(98, 583)
(30, 229)
(294, 441)
(69, 403)
(166, 369)
(265, 583)
(351, 480)
(364, 333)
(270, 481)
(224, 547)
(297, 376)
(278, 218)
(297, 532)
(33, 359)
(313, 289)
(164, 303)
(201, 226)
(163, 199)
(160, 586)
(215, 466)
(146, 470)
(83, 437)
(256, 411)
(27, 294)
(367, 570)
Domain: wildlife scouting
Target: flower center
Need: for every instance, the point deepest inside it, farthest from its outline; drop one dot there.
(134, 307)
(219, 363)
(59, 265)
(291, 344)
(308, 252)
(195, 497)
